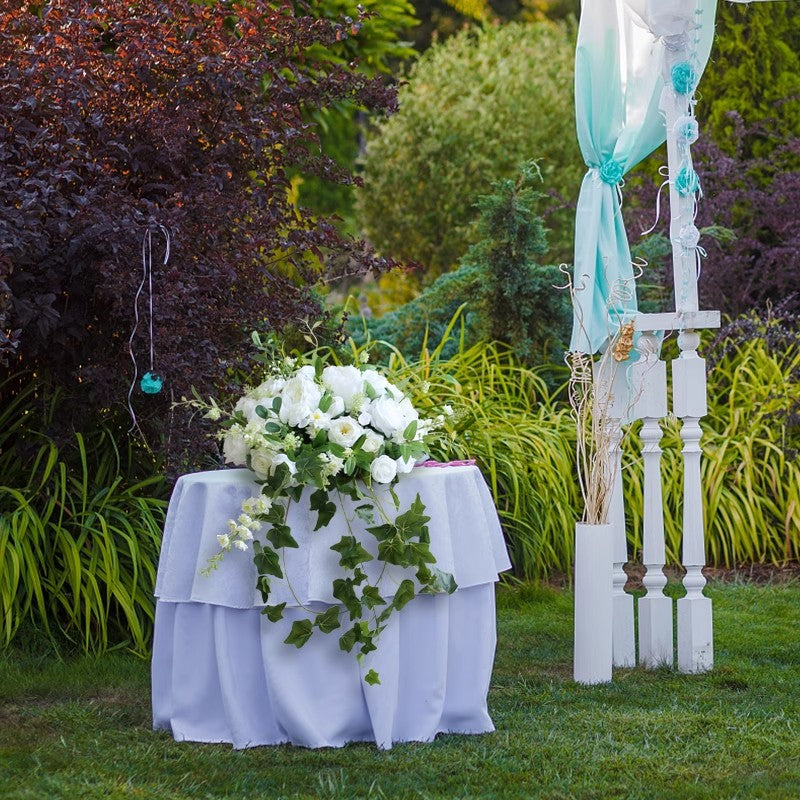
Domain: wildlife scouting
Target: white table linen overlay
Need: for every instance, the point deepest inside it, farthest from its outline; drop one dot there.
(222, 673)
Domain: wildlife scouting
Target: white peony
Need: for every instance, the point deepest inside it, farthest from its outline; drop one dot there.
(344, 431)
(404, 465)
(234, 447)
(391, 417)
(344, 382)
(379, 383)
(373, 442)
(300, 396)
(383, 469)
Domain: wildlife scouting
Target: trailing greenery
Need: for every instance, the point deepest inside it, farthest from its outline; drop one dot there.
(79, 536)
(474, 108)
(522, 441)
(506, 294)
(82, 728)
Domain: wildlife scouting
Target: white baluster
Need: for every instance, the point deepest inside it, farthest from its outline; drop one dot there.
(655, 609)
(695, 619)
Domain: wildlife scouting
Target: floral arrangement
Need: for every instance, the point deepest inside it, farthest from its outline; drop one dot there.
(334, 431)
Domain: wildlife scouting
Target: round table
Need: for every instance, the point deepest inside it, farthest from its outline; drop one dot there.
(222, 673)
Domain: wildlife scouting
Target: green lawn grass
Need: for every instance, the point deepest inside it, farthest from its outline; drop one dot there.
(81, 728)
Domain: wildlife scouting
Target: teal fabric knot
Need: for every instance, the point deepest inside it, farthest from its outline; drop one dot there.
(151, 383)
(687, 181)
(611, 172)
(684, 78)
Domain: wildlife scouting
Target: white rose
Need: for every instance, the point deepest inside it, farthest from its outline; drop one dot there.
(300, 396)
(344, 382)
(234, 448)
(344, 431)
(247, 405)
(269, 389)
(383, 469)
(336, 408)
(389, 416)
(261, 462)
(404, 465)
(372, 443)
(282, 458)
(308, 372)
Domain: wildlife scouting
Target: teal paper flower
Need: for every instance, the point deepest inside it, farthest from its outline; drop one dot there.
(687, 181)
(684, 78)
(151, 383)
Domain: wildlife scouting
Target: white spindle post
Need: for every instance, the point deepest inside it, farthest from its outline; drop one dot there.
(649, 376)
(695, 624)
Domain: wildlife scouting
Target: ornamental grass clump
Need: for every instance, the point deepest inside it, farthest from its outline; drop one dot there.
(326, 434)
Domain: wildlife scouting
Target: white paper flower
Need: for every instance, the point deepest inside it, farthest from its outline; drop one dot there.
(344, 382)
(234, 447)
(300, 396)
(404, 465)
(213, 413)
(383, 469)
(344, 431)
(240, 545)
(224, 541)
(333, 465)
(373, 442)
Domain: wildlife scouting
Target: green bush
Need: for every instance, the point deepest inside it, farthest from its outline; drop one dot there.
(506, 295)
(79, 533)
(754, 70)
(474, 108)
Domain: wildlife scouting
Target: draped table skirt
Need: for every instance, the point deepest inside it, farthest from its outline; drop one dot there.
(221, 671)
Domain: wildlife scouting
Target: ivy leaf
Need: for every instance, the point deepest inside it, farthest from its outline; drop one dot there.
(321, 503)
(328, 620)
(348, 639)
(395, 498)
(372, 678)
(444, 581)
(262, 584)
(404, 593)
(420, 553)
(351, 553)
(358, 576)
(266, 560)
(366, 512)
(382, 532)
(274, 613)
(343, 591)
(300, 633)
(280, 535)
(370, 597)
(412, 522)
(393, 551)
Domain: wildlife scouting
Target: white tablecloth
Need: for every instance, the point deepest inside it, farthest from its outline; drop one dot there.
(220, 669)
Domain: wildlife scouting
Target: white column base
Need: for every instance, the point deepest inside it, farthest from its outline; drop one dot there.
(695, 635)
(655, 632)
(624, 642)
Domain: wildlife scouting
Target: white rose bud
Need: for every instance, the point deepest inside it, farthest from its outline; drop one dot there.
(261, 462)
(404, 465)
(383, 469)
(373, 442)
